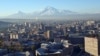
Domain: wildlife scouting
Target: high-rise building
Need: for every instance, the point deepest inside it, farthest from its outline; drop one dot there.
(48, 34)
(41, 26)
(92, 45)
(15, 36)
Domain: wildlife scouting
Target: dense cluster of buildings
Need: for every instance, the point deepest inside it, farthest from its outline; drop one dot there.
(74, 38)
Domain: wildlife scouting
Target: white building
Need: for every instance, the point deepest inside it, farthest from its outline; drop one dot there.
(15, 36)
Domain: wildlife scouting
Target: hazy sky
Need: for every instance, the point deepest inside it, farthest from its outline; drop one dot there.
(8, 7)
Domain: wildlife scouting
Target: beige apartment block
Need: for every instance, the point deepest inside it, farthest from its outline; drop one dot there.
(92, 45)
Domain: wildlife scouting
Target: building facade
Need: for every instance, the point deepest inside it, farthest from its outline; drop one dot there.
(92, 46)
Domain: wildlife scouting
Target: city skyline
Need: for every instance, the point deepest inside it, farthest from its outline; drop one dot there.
(9, 7)
(49, 27)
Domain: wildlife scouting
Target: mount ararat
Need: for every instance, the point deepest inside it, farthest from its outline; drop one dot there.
(53, 13)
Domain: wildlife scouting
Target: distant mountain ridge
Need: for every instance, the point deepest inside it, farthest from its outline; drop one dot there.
(1, 22)
(48, 11)
(52, 13)
(4, 24)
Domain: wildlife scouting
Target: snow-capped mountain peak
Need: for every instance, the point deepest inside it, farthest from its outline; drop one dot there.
(48, 11)
(50, 8)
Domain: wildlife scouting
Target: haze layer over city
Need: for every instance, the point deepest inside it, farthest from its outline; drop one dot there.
(49, 27)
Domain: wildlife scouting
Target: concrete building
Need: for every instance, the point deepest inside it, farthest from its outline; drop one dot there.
(22, 30)
(54, 49)
(48, 34)
(90, 22)
(49, 49)
(15, 36)
(92, 45)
